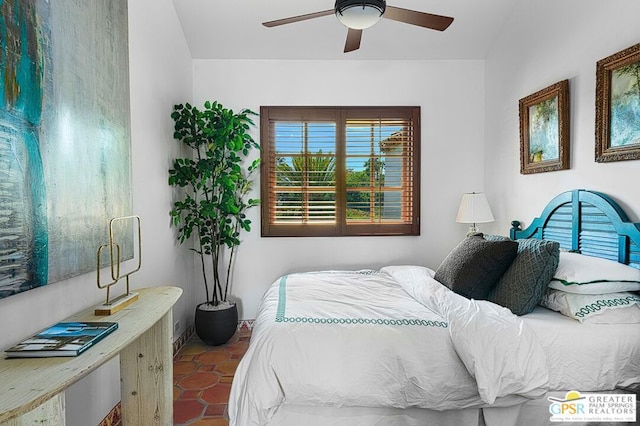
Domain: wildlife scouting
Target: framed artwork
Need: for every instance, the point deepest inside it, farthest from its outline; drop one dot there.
(544, 130)
(64, 137)
(618, 106)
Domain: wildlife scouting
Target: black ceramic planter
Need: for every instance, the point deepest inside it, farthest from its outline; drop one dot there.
(216, 327)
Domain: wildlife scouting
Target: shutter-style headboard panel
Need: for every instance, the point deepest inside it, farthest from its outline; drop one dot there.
(587, 222)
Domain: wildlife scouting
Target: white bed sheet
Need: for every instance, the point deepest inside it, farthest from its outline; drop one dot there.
(316, 341)
(300, 415)
(586, 357)
(536, 413)
(414, 366)
(530, 413)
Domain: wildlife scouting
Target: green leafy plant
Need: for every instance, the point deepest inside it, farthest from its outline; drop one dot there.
(215, 184)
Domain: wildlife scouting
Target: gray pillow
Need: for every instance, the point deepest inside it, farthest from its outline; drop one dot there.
(475, 265)
(522, 286)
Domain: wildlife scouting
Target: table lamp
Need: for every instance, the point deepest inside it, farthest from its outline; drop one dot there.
(474, 208)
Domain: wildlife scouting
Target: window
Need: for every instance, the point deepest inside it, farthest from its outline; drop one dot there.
(340, 171)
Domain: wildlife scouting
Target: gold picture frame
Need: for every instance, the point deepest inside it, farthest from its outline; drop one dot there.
(617, 102)
(544, 129)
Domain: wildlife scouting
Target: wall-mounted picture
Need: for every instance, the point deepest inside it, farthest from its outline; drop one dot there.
(618, 106)
(544, 130)
(64, 137)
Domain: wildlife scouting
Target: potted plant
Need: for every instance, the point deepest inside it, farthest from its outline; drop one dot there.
(216, 181)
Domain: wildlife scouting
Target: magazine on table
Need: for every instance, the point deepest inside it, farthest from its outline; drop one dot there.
(62, 339)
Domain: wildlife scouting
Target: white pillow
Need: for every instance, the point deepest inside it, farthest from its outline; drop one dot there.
(611, 308)
(582, 274)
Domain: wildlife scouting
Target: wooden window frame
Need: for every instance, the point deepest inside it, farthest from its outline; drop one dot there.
(340, 116)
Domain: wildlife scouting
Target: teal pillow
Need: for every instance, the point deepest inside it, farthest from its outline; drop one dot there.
(522, 286)
(475, 265)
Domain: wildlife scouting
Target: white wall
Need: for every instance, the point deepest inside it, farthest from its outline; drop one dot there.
(160, 72)
(451, 94)
(544, 42)
(160, 75)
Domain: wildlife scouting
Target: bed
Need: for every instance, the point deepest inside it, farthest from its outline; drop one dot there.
(409, 345)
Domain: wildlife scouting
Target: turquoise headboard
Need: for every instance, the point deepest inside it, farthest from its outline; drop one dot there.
(587, 222)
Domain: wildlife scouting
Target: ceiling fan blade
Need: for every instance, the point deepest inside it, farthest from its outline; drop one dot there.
(353, 40)
(421, 19)
(298, 18)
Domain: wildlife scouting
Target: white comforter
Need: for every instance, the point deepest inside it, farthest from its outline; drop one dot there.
(392, 338)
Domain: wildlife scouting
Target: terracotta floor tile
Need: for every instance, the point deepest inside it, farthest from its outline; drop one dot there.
(216, 410)
(238, 347)
(218, 394)
(211, 422)
(194, 347)
(180, 368)
(205, 367)
(183, 358)
(186, 410)
(201, 380)
(213, 357)
(191, 394)
(227, 368)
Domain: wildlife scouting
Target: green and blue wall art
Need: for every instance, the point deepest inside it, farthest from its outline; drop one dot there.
(543, 131)
(625, 106)
(65, 144)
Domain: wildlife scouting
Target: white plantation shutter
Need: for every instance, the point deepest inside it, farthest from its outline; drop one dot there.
(330, 171)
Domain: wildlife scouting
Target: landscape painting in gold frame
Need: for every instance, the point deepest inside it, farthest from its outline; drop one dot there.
(618, 106)
(544, 129)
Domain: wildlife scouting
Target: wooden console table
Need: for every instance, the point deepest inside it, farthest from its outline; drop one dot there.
(32, 390)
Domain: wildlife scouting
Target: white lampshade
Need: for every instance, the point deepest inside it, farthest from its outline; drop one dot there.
(359, 14)
(474, 208)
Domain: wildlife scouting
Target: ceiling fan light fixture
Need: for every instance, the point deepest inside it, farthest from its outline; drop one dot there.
(359, 14)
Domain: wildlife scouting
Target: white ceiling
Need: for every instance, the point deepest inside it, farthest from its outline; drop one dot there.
(232, 29)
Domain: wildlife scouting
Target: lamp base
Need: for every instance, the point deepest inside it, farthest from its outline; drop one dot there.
(473, 229)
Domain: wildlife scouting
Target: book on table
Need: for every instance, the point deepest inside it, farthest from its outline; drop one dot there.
(62, 339)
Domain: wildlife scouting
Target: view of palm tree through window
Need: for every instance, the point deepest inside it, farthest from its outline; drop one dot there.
(305, 171)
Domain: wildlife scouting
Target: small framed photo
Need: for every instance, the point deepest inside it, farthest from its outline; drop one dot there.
(544, 130)
(618, 106)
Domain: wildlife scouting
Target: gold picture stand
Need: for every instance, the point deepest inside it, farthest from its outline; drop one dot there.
(112, 306)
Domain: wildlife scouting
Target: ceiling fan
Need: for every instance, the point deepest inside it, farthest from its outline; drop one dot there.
(358, 15)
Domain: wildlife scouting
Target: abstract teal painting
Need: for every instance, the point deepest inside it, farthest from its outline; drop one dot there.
(64, 136)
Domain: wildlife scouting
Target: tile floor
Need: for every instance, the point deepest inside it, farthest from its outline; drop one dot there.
(202, 378)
